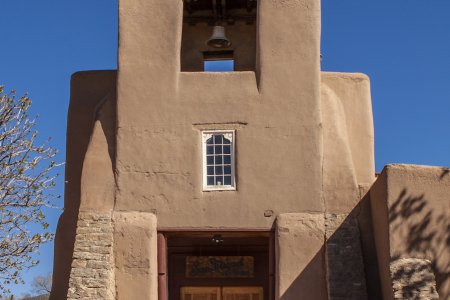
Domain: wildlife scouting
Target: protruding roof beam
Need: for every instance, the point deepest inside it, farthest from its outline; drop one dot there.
(214, 7)
(249, 6)
(224, 9)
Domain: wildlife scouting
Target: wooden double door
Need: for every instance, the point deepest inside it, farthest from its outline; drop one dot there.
(222, 293)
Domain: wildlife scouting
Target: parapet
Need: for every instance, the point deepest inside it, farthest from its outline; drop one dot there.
(410, 212)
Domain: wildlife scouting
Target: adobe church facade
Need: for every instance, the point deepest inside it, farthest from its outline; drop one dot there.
(253, 184)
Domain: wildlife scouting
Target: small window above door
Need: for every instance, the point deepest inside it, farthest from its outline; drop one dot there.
(218, 160)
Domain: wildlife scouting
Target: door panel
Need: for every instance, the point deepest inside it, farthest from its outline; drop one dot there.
(224, 293)
(242, 293)
(200, 293)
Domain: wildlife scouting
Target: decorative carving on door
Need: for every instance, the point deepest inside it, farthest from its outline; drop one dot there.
(242, 293)
(220, 267)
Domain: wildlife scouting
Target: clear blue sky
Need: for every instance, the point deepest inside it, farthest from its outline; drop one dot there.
(404, 46)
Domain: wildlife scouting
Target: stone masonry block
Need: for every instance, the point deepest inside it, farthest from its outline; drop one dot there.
(413, 279)
(92, 274)
(345, 267)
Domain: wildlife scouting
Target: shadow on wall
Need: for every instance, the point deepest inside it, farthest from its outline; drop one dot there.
(421, 231)
(306, 285)
(346, 266)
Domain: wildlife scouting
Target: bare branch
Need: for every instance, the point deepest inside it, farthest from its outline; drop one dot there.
(27, 177)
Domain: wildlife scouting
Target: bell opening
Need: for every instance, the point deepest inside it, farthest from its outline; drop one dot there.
(217, 26)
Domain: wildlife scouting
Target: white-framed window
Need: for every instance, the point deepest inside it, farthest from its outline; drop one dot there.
(218, 160)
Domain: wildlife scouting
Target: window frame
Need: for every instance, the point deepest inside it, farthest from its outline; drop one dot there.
(205, 135)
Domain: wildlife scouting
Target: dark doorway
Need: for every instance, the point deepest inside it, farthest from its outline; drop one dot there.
(222, 261)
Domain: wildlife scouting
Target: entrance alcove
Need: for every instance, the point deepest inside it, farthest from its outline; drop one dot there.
(219, 265)
(238, 19)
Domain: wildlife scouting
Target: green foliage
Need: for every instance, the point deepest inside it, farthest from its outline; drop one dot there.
(26, 180)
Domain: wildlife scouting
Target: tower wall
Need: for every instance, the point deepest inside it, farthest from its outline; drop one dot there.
(275, 112)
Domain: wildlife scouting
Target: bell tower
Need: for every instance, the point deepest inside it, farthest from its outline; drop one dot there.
(219, 154)
(270, 100)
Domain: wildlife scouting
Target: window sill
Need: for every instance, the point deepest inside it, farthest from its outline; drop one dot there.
(219, 189)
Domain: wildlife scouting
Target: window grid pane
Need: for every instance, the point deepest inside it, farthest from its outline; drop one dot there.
(218, 160)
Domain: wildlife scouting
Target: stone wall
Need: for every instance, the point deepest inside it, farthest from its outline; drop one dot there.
(92, 274)
(345, 268)
(413, 279)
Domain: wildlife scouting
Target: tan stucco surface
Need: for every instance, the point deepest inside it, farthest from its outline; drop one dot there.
(97, 178)
(380, 218)
(348, 135)
(135, 251)
(353, 93)
(411, 211)
(159, 108)
(300, 256)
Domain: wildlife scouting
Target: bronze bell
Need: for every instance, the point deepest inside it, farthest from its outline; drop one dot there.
(218, 38)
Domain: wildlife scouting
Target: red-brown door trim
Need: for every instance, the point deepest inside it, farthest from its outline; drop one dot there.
(162, 267)
(272, 266)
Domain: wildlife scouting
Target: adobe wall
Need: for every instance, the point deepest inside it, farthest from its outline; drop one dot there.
(348, 139)
(411, 213)
(88, 90)
(162, 111)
